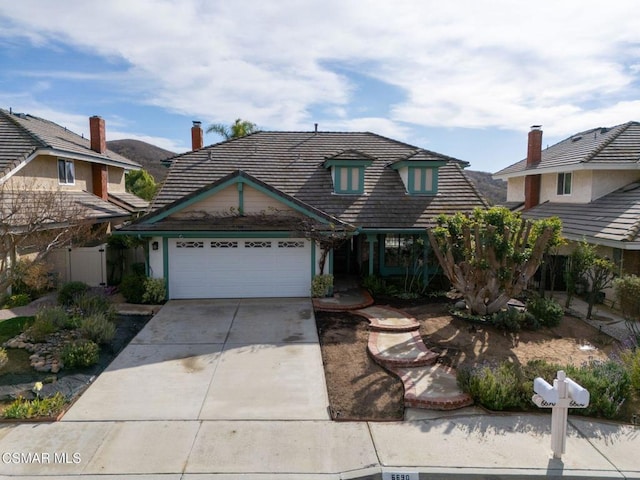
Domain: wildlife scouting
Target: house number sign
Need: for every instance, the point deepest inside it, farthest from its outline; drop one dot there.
(400, 476)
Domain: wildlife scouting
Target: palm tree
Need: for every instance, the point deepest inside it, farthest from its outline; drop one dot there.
(239, 128)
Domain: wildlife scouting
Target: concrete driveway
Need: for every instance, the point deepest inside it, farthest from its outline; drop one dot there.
(255, 359)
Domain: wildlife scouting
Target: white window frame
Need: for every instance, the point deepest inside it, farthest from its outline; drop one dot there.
(564, 183)
(67, 164)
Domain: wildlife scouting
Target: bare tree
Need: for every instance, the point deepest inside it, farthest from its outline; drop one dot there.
(33, 222)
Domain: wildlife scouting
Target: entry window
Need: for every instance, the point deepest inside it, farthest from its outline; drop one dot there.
(402, 250)
(564, 183)
(66, 172)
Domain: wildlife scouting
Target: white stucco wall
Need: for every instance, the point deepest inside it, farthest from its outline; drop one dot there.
(156, 259)
(607, 181)
(515, 189)
(581, 186)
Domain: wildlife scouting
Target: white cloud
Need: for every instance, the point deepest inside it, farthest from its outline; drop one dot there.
(491, 63)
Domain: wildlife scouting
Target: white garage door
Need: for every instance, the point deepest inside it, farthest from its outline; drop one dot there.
(233, 268)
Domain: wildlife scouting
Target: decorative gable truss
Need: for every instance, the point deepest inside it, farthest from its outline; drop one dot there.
(419, 173)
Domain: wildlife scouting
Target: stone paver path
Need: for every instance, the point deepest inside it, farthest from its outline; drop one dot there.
(396, 345)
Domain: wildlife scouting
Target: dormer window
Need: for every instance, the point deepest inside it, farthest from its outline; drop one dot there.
(422, 180)
(419, 173)
(348, 172)
(66, 172)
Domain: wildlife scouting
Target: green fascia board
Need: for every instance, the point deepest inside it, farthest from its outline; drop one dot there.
(417, 163)
(221, 234)
(336, 162)
(232, 181)
(376, 231)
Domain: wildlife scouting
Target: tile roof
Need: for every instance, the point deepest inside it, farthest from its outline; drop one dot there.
(612, 218)
(128, 201)
(617, 145)
(22, 134)
(292, 162)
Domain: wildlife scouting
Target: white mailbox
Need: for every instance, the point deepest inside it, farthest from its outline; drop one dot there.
(564, 394)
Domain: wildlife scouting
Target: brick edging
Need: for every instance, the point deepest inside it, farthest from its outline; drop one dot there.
(368, 301)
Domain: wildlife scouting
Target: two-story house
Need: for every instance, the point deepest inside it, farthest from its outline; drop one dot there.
(50, 176)
(245, 217)
(591, 181)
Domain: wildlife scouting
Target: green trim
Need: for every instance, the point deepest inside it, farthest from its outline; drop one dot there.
(313, 259)
(165, 263)
(372, 231)
(215, 189)
(371, 240)
(418, 163)
(336, 162)
(331, 261)
(421, 172)
(240, 198)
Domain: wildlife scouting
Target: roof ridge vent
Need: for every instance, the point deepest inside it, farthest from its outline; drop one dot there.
(576, 138)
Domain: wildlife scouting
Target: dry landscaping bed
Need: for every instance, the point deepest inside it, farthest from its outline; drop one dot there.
(359, 389)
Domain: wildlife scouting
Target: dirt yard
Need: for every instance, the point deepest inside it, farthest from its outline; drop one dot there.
(361, 390)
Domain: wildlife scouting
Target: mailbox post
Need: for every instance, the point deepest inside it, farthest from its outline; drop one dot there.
(564, 394)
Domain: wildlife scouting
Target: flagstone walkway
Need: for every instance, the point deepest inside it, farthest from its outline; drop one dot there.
(396, 345)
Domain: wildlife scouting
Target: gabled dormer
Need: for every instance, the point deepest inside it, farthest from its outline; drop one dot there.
(347, 171)
(419, 173)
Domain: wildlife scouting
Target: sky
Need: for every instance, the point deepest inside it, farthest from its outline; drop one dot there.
(465, 78)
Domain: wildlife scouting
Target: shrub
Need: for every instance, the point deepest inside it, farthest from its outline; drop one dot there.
(80, 354)
(97, 328)
(155, 291)
(132, 288)
(31, 278)
(627, 289)
(497, 387)
(510, 319)
(41, 328)
(89, 304)
(4, 358)
(608, 385)
(69, 291)
(57, 316)
(39, 407)
(17, 300)
(631, 360)
(321, 285)
(547, 311)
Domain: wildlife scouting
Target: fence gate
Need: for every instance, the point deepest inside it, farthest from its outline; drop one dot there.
(82, 264)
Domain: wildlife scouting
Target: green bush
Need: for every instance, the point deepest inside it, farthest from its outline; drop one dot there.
(39, 407)
(132, 288)
(89, 304)
(43, 325)
(58, 316)
(608, 385)
(4, 358)
(98, 328)
(32, 278)
(155, 291)
(510, 319)
(80, 354)
(17, 300)
(631, 360)
(69, 291)
(547, 311)
(321, 285)
(497, 387)
(627, 289)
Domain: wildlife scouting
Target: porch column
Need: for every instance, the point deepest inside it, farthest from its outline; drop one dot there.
(371, 239)
(425, 258)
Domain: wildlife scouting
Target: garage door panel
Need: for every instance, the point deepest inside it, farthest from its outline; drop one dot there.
(231, 268)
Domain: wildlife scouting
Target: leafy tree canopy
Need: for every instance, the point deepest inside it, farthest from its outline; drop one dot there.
(239, 128)
(490, 255)
(141, 184)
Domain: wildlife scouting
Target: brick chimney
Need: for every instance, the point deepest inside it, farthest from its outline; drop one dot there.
(197, 138)
(534, 155)
(98, 134)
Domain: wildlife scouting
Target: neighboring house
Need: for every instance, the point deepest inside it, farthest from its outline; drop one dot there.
(243, 218)
(38, 157)
(591, 181)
